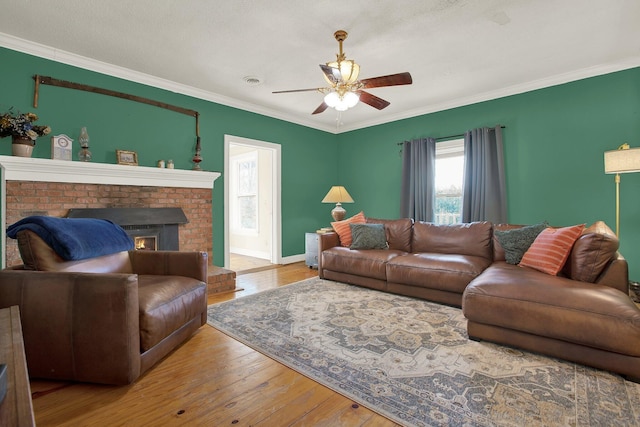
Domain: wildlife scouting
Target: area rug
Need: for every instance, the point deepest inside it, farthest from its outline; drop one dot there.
(412, 361)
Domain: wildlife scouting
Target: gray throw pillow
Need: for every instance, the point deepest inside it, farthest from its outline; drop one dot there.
(515, 242)
(368, 236)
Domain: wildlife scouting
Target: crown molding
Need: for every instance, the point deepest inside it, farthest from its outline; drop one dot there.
(546, 82)
(47, 52)
(57, 55)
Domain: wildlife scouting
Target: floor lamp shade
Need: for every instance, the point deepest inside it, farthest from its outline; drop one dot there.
(622, 160)
(338, 195)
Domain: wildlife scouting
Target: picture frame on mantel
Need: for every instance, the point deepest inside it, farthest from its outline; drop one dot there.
(127, 157)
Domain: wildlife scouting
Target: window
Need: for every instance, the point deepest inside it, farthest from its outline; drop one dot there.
(448, 181)
(246, 192)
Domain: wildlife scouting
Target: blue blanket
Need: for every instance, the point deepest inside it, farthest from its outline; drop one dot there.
(76, 238)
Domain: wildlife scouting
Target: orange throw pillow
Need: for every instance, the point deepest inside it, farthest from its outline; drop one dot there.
(550, 250)
(343, 229)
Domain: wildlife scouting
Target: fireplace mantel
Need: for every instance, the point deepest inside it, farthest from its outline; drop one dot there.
(45, 170)
(15, 168)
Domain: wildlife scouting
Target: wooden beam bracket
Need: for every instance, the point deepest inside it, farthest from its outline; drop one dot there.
(79, 86)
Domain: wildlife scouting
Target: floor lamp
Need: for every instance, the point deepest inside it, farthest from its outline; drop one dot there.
(622, 160)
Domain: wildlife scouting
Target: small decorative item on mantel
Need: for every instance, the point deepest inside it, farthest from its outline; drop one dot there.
(22, 131)
(197, 158)
(61, 147)
(84, 155)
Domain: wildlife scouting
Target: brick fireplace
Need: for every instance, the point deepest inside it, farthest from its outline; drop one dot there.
(32, 186)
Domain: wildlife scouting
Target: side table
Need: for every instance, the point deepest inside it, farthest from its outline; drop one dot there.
(311, 249)
(16, 409)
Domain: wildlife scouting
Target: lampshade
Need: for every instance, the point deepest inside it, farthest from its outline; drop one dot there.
(337, 194)
(622, 161)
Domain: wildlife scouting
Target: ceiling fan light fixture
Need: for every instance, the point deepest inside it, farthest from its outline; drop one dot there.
(342, 106)
(332, 99)
(351, 99)
(349, 71)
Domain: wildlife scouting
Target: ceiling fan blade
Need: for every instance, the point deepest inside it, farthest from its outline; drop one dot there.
(373, 100)
(390, 80)
(320, 108)
(333, 74)
(298, 90)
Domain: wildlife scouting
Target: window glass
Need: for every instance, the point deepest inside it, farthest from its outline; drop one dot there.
(448, 181)
(245, 212)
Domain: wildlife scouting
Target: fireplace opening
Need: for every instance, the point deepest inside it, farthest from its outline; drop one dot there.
(150, 228)
(145, 243)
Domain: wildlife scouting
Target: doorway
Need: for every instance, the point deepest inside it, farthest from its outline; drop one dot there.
(252, 204)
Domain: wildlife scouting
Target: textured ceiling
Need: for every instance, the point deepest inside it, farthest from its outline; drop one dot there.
(457, 51)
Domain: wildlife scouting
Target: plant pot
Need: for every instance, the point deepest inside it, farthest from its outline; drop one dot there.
(22, 146)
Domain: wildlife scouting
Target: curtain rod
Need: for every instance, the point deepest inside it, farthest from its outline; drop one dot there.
(448, 137)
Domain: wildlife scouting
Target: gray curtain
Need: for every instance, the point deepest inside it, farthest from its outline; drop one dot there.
(484, 195)
(418, 171)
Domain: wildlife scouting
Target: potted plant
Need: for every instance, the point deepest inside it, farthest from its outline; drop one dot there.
(22, 131)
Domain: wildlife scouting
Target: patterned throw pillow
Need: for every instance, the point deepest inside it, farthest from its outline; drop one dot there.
(550, 250)
(515, 242)
(343, 229)
(368, 236)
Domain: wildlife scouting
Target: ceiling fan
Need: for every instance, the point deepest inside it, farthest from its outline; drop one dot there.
(345, 89)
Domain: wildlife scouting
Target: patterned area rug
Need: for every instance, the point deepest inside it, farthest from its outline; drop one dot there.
(411, 360)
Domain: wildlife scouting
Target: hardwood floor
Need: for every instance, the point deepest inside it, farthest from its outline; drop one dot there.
(211, 380)
(243, 264)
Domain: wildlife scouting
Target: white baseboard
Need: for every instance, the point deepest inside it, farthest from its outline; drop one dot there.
(293, 258)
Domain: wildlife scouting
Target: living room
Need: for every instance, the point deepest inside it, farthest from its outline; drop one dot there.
(556, 131)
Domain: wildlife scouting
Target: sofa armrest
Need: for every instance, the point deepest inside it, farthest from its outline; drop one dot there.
(170, 263)
(616, 274)
(77, 326)
(326, 241)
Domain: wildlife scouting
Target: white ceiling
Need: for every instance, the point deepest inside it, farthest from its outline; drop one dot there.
(458, 51)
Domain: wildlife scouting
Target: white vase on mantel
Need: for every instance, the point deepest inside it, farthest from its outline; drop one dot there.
(22, 146)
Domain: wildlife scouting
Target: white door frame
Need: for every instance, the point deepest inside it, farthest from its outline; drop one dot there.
(276, 226)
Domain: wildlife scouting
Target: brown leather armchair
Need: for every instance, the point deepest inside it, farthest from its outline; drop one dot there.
(106, 319)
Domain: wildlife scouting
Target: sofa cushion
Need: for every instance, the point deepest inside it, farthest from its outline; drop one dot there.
(447, 272)
(166, 304)
(398, 231)
(367, 263)
(591, 253)
(343, 229)
(462, 239)
(368, 236)
(516, 241)
(37, 255)
(550, 250)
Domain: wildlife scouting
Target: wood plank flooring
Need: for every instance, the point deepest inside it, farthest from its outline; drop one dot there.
(211, 380)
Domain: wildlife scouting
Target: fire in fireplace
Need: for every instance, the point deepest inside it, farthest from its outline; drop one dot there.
(150, 228)
(145, 243)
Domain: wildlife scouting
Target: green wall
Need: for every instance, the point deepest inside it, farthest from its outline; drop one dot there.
(154, 133)
(554, 142)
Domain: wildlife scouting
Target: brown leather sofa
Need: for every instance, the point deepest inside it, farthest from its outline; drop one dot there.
(583, 315)
(424, 260)
(106, 319)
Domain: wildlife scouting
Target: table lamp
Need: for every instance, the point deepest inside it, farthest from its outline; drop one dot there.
(338, 195)
(622, 160)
